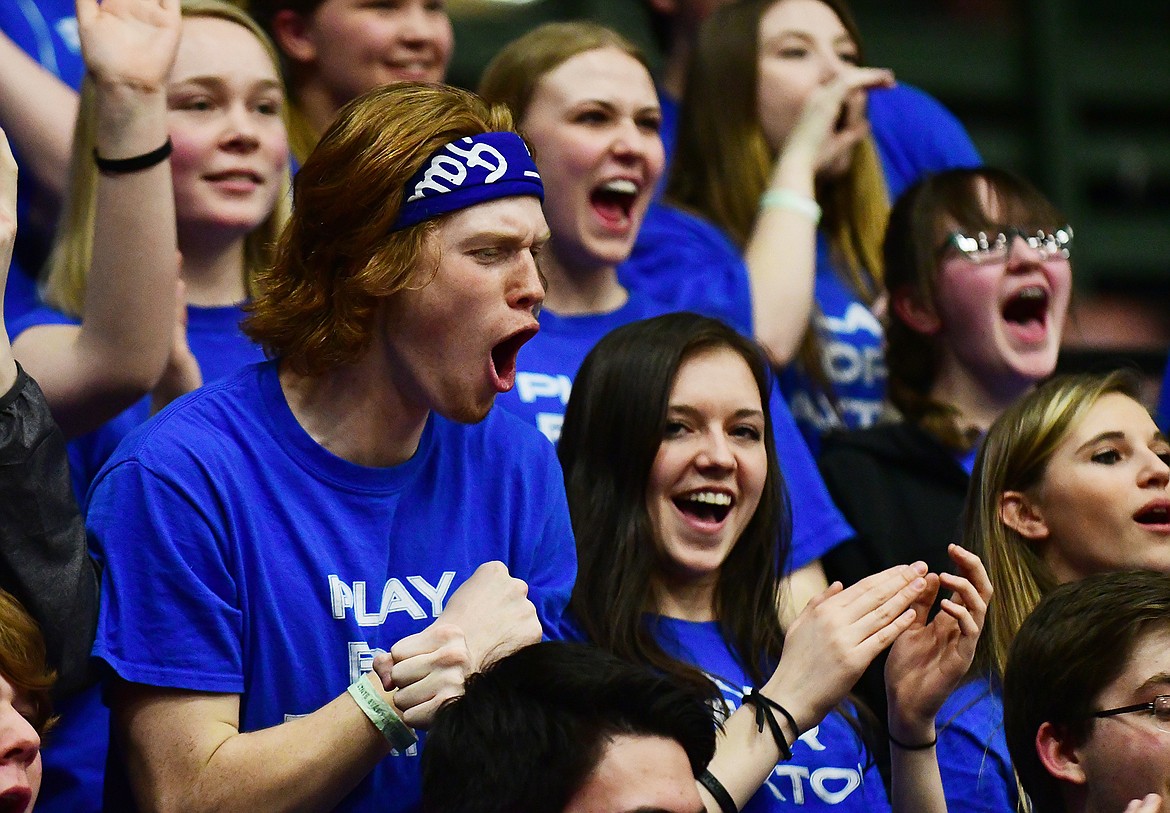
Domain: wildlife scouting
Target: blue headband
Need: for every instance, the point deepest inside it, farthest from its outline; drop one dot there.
(469, 171)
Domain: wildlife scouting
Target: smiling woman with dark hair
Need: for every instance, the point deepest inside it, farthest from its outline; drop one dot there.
(680, 517)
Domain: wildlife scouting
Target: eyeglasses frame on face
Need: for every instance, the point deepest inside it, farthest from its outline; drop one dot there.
(1151, 706)
(985, 247)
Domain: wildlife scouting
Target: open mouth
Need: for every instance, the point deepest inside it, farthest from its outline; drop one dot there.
(1154, 514)
(705, 506)
(1027, 308)
(15, 800)
(504, 357)
(614, 201)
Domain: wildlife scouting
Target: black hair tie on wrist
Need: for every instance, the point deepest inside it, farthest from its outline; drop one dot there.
(764, 708)
(136, 163)
(717, 791)
(918, 746)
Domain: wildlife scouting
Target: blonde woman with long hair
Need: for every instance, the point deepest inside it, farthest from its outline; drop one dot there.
(222, 111)
(774, 148)
(1071, 480)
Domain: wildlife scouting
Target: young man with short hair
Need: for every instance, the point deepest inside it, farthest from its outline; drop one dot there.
(350, 504)
(1087, 696)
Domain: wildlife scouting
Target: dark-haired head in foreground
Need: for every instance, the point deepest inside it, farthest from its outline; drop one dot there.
(1079, 675)
(567, 727)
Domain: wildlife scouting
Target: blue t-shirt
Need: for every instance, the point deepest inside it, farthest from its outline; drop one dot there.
(830, 769)
(548, 364)
(852, 357)
(46, 30)
(277, 552)
(689, 264)
(218, 344)
(972, 750)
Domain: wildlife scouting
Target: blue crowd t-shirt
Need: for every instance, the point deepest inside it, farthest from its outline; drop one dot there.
(216, 341)
(277, 552)
(547, 366)
(973, 756)
(830, 769)
(689, 264)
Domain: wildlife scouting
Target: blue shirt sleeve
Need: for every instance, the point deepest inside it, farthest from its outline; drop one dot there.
(817, 525)
(690, 265)
(170, 612)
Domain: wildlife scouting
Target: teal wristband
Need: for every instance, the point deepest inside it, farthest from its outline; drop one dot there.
(382, 715)
(793, 201)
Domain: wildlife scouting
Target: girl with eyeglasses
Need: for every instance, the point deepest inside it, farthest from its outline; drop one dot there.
(977, 266)
(1070, 481)
(975, 321)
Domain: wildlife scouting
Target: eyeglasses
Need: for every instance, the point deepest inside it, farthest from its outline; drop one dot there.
(988, 248)
(1159, 707)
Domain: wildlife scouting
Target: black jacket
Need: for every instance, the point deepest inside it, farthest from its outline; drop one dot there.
(44, 561)
(901, 490)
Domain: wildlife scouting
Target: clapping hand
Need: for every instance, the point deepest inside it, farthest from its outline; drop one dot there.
(929, 660)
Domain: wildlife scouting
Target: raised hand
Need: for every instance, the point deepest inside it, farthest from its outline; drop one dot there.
(836, 636)
(833, 120)
(929, 660)
(129, 43)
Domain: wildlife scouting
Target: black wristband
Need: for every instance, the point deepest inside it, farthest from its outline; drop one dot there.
(137, 163)
(717, 791)
(764, 708)
(918, 746)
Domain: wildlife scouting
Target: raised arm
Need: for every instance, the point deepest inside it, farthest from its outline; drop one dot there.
(38, 111)
(91, 373)
(825, 651)
(781, 250)
(44, 560)
(926, 664)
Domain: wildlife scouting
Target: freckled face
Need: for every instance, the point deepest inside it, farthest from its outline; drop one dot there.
(711, 466)
(452, 343)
